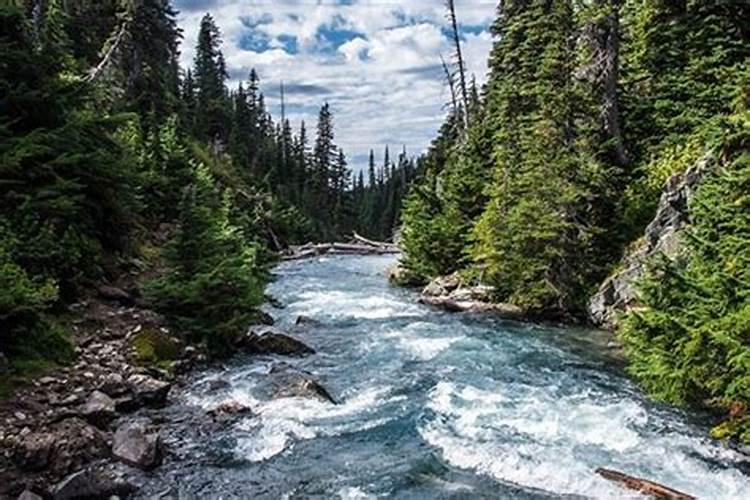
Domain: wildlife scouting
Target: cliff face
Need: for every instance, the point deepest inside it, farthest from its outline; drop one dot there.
(619, 293)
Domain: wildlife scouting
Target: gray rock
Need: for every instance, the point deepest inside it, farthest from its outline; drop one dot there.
(271, 341)
(137, 443)
(99, 409)
(61, 448)
(91, 483)
(29, 495)
(113, 385)
(619, 292)
(442, 285)
(306, 320)
(228, 411)
(148, 390)
(288, 382)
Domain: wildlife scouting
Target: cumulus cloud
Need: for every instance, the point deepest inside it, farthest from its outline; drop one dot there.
(377, 62)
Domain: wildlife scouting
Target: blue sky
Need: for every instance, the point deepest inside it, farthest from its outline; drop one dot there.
(377, 62)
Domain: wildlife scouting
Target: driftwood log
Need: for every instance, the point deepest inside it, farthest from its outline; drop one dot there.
(644, 486)
(358, 246)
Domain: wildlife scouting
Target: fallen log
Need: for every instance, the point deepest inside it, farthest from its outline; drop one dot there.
(312, 250)
(378, 244)
(645, 486)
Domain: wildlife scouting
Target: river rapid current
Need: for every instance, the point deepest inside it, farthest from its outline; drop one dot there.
(432, 405)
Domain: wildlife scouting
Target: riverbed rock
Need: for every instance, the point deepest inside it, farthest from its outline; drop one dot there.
(91, 483)
(148, 390)
(229, 410)
(272, 341)
(99, 409)
(286, 381)
(60, 448)
(306, 320)
(619, 293)
(137, 443)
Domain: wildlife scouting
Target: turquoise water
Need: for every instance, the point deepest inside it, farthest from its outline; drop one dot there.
(435, 405)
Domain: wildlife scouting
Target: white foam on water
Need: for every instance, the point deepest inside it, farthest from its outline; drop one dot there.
(417, 341)
(536, 439)
(279, 423)
(338, 304)
(354, 493)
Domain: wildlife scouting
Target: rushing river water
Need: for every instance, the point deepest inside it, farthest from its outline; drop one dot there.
(433, 405)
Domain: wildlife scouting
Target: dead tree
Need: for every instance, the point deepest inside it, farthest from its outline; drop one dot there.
(450, 4)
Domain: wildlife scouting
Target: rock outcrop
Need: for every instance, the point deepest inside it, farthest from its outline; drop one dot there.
(619, 292)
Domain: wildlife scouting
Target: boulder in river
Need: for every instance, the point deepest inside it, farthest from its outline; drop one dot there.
(148, 390)
(229, 410)
(271, 341)
(137, 443)
(289, 382)
(99, 409)
(60, 448)
(306, 320)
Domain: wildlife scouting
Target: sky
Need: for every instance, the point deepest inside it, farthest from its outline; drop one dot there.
(376, 62)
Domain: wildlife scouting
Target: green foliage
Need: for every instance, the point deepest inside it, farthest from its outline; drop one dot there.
(215, 283)
(154, 347)
(692, 342)
(27, 335)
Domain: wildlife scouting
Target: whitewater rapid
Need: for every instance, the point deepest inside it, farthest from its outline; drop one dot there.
(435, 405)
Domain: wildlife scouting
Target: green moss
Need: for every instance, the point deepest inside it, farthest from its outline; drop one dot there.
(154, 347)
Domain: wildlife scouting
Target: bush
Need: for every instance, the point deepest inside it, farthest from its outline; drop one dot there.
(27, 335)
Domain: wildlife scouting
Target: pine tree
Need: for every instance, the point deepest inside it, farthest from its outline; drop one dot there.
(210, 74)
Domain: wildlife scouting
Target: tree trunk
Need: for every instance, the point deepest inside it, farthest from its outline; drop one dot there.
(460, 61)
(603, 38)
(643, 485)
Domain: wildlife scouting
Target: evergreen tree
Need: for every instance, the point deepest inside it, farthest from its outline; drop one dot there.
(209, 73)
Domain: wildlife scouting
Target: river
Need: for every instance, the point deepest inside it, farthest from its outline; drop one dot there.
(433, 405)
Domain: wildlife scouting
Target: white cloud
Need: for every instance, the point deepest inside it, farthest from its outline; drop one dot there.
(375, 61)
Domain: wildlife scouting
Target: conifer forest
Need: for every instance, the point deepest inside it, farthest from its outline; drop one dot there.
(585, 203)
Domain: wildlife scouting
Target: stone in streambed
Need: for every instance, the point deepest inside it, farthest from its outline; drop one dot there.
(272, 341)
(306, 320)
(137, 444)
(227, 411)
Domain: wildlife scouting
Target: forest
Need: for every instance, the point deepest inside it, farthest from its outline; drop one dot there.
(115, 160)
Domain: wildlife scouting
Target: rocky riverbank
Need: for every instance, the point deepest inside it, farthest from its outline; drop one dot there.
(90, 429)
